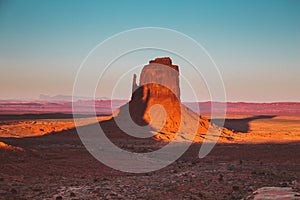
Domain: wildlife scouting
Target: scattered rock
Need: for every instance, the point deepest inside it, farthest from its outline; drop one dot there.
(72, 194)
(3, 192)
(221, 177)
(284, 184)
(235, 188)
(250, 189)
(14, 191)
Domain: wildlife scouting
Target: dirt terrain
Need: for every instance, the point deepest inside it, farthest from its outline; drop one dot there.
(57, 165)
(257, 129)
(28, 125)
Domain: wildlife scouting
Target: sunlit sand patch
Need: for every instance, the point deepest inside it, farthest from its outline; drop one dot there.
(10, 147)
(29, 128)
(280, 129)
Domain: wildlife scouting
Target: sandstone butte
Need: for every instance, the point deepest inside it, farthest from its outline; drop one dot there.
(156, 102)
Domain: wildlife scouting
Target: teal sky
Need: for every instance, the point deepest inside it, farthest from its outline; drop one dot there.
(255, 44)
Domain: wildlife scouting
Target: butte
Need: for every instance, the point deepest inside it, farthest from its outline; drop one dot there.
(155, 109)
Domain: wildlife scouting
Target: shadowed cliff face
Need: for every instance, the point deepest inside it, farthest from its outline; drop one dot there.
(156, 100)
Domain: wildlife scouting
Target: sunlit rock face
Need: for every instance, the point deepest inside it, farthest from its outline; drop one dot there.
(160, 72)
(156, 100)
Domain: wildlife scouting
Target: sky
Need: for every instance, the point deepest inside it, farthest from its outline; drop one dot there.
(255, 44)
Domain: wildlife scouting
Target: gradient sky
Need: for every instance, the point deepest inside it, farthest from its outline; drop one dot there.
(255, 44)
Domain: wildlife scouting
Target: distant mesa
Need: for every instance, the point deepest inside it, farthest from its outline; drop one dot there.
(155, 102)
(70, 98)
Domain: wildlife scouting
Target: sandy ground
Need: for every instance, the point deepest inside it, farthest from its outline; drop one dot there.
(19, 126)
(56, 165)
(253, 129)
(257, 129)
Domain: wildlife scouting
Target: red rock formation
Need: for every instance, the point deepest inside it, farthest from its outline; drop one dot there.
(159, 85)
(156, 102)
(160, 72)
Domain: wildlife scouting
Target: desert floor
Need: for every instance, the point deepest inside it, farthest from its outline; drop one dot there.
(50, 162)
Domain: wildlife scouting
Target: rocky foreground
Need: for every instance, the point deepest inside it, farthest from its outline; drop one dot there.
(57, 166)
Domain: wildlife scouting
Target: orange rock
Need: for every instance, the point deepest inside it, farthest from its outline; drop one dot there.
(156, 102)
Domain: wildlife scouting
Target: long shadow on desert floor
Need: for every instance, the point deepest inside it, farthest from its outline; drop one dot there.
(242, 124)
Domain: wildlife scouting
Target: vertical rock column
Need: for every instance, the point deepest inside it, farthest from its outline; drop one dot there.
(158, 88)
